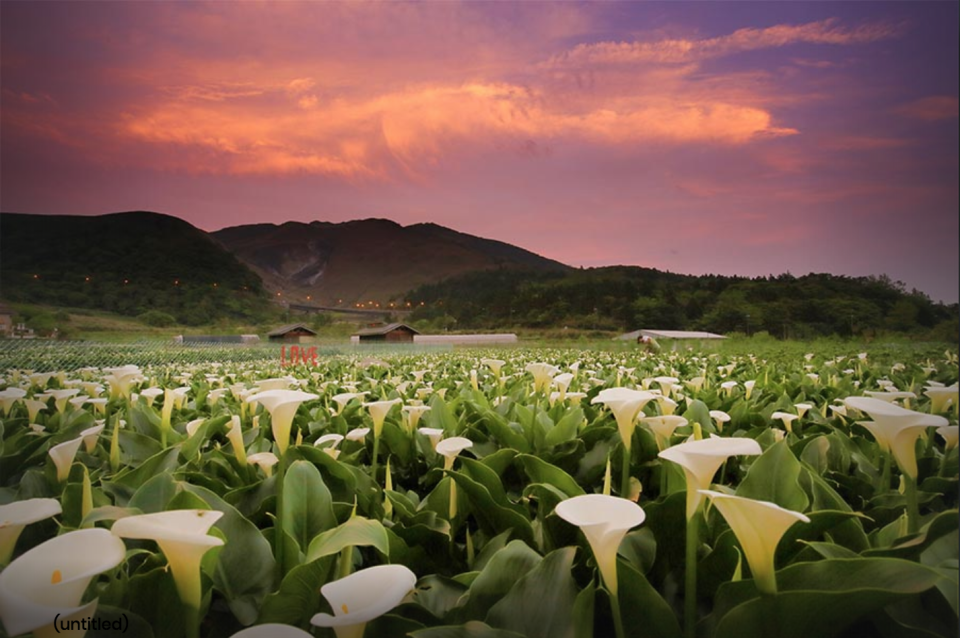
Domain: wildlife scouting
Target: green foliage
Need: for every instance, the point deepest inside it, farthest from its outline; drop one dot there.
(626, 298)
(157, 319)
(505, 564)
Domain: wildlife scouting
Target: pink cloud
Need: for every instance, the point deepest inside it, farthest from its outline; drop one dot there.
(674, 51)
(931, 109)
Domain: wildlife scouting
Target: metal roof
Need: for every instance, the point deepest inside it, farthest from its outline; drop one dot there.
(382, 330)
(282, 330)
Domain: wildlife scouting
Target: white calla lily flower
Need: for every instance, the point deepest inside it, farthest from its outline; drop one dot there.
(663, 427)
(282, 406)
(433, 434)
(604, 520)
(49, 580)
(183, 539)
(701, 459)
(413, 415)
(33, 409)
(543, 374)
(357, 434)
(90, 436)
(719, 417)
(264, 460)
(942, 397)
(787, 419)
(17, 515)
(346, 397)
(950, 435)
(378, 413)
(235, 436)
(759, 526)
(626, 405)
(9, 396)
(896, 428)
(363, 596)
(451, 448)
(63, 455)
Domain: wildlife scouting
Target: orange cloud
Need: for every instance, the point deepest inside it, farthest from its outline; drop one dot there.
(419, 127)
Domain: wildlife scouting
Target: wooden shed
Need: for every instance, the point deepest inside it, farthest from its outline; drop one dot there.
(294, 333)
(390, 333)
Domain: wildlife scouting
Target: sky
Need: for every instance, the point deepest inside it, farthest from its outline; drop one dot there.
(750, 138)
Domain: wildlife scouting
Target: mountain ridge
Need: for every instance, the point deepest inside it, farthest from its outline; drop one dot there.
(366, 260)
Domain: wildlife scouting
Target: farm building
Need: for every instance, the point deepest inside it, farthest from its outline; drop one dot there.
(294, 333)
(390, 333)
(6, 320)
(468, 340)
(674, 339)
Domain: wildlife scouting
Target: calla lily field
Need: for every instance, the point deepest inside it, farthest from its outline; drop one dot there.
(519, 492)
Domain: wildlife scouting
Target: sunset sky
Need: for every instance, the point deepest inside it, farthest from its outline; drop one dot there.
(745, 138)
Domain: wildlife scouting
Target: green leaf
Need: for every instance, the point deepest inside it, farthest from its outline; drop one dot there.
(472, 629)
(298, 598)
(698, 411)
(943, 556)
(245, 569)
(642, 606)
(439, 595)
(109, 618)
(566, 428)
(489, 479)
(500, 460)
(583, 612)
(830, 550)
(441, 416)
(190, 446)
(508, 434)
(540, 471)
(136, 448)
(639, 548)
(126, 483)
(818, 599)
(911, 547)
(154, 495)
(490, 514)
(307, 505)
(502, 571)
(357, 532)
(153, 596)
(774, 477)
(540, 604)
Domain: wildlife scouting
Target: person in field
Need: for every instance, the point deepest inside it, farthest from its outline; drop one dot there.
(649, 344)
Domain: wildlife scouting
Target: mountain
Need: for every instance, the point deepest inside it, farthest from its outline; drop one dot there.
(367, 260)
(127, 263)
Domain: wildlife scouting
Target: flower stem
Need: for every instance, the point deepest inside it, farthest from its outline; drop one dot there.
(191, 621)
(617, 617)
(346, 561)
(885, 473)
(690, 582)
(625, 473)
(913, 507)
(373, 462)
(279, 539)
(943, 462)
